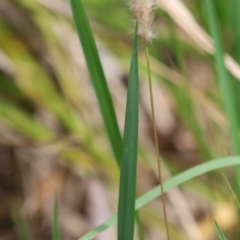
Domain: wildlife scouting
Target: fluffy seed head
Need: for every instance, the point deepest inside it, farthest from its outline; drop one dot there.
(143, 12)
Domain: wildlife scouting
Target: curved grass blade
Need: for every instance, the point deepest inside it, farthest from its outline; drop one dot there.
(220, 233)
(97, 76)
(169, 184)
(55, 230)
(127, 189)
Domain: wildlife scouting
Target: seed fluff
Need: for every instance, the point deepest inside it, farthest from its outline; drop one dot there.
(143, 14)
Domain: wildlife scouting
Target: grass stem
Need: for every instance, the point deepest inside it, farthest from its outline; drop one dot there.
(234, 195)
(156, 142)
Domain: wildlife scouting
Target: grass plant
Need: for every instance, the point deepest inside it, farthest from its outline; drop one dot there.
(29, 88)
(126, 151)
(129, 151)
(55, 227)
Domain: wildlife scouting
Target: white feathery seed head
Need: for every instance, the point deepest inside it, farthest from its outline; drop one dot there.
(143, 12)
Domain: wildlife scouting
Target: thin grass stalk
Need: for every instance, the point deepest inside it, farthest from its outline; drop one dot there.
(225, 86)
(55, 228)
(156, 143)
(219, 232)
(127, 189)
(144, 15)
(234, 195)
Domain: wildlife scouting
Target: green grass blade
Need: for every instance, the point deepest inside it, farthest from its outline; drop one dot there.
(220, 233)
(55, 230)
(126, 201)
(10, 89)
(169, 184)
(97, 76)
(225, 86)
(235, 5)
(235, 20)
(21, 225)
(234, 195)
(23, 122)
(139, 226)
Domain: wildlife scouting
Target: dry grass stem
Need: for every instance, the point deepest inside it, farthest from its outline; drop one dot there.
(156, 144)
(183, 17)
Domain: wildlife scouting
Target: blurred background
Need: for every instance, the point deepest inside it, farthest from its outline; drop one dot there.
(52, 137)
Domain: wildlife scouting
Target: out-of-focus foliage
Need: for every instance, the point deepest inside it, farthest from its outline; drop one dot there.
(52, 135)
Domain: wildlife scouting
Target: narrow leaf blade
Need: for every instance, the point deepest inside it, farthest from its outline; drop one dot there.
(126, 201)
(55, 230)
(97, 76)
(225, 86)
(220, 233)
